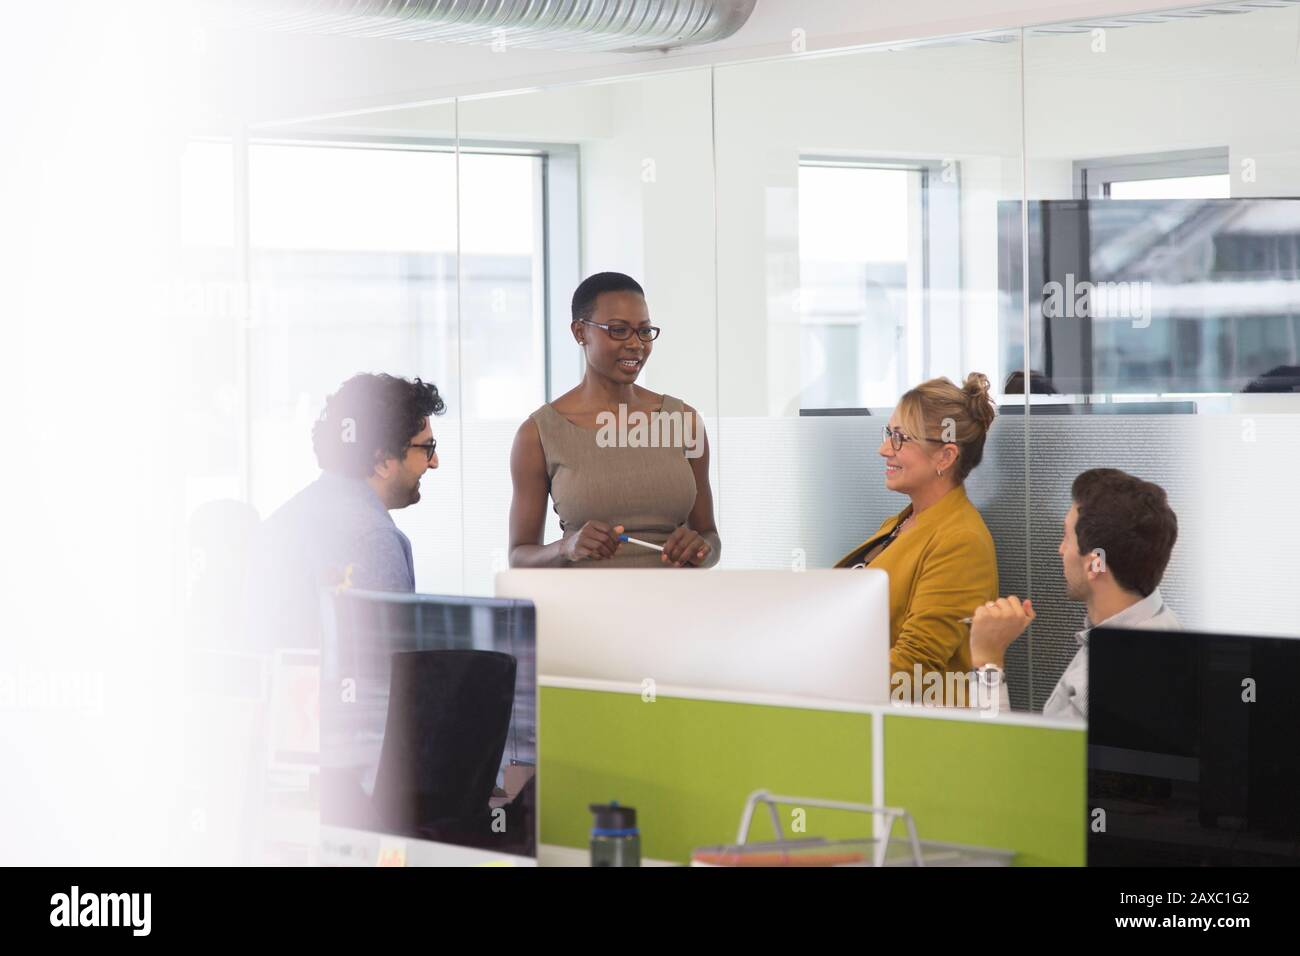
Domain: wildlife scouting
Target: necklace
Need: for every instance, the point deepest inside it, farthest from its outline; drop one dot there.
(898, 529)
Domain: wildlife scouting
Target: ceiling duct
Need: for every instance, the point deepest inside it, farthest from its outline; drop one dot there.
(1142, 19)
(587, 25)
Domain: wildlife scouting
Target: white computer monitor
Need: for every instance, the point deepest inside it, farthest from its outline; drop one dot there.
(821, 634)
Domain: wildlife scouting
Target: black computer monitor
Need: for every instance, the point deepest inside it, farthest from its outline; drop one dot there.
(428, 744)
(1193, 749)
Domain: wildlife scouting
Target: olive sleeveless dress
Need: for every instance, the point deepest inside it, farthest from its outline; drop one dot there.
(648, 490)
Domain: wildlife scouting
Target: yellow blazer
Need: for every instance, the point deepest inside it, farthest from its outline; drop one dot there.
(940, 570)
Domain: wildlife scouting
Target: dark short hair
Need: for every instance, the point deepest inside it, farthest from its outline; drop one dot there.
(584, 297)
(1283, 378)
(370, 418)
(1039, 384)
(1130, 520)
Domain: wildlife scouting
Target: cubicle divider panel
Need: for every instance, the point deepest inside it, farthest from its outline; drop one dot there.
(687, 766)
(991, 783)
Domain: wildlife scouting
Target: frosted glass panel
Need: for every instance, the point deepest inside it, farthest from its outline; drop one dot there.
(1164, 303)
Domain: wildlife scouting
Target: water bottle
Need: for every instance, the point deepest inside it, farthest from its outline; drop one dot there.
(615, 840)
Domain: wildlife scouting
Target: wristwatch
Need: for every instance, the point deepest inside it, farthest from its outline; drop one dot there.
(990, 675)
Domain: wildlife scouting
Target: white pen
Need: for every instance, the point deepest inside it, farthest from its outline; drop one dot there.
(644, 544)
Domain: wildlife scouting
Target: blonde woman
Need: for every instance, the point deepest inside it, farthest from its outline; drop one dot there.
(937, 551)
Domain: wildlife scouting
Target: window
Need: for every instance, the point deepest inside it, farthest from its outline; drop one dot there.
(400, 255)
(1187, 174)
(355, 237)
(355, 250)
(359, 246)
(876, 238)
(1174, 187)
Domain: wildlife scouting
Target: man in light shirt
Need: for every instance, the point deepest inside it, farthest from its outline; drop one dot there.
(374, 443)
(1118, 535)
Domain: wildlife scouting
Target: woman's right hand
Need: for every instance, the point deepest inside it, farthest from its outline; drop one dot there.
(595, 541)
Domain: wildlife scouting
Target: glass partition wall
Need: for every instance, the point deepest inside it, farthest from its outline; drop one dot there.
(1163, 254)
(858, 205)
(817, 234)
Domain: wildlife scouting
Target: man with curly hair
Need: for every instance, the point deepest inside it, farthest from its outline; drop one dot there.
(374, 443)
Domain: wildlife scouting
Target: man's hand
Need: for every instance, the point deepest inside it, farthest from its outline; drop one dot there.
(995, 626)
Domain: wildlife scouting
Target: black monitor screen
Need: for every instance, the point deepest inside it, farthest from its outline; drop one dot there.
(429, 720)
(1193, 749)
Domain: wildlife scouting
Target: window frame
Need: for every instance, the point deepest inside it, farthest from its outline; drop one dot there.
(937, 246)
(1092, 177)
(560, 216)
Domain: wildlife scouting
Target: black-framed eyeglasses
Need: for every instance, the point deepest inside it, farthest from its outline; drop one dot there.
(620, 332)
(896, 438)
(429, 447)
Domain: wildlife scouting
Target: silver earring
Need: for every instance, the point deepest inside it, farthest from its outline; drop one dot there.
(939, 472)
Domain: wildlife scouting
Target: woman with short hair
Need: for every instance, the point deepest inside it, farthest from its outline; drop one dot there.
(616, 458)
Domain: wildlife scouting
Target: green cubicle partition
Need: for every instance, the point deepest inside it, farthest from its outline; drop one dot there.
(990, 782)
(687, 764)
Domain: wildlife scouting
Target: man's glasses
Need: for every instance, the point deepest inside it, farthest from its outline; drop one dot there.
(620, 332)
(429, 448)
(896, 438)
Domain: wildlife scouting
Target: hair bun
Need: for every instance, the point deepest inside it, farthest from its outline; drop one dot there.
(976, 389)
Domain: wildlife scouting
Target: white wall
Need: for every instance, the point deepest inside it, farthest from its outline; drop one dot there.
(1224, 81)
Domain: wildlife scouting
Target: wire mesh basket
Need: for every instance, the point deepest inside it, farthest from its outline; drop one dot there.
(860, 851)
